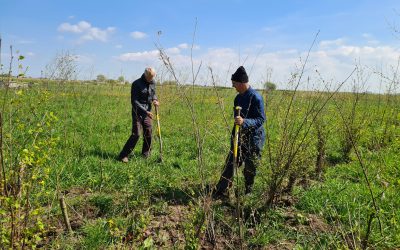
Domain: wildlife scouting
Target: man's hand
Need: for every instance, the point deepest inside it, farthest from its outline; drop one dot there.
(239, 120)
(156, 103)
(150, 114)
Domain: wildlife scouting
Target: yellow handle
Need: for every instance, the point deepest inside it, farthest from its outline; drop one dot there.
(159, 130)
(236, 139)
(236, 142)
(158, 123)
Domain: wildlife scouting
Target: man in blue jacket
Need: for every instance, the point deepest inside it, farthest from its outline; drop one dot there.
(251, 137)
(143, 95)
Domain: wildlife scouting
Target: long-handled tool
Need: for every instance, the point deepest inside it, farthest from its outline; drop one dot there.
(159, 131)
(235, 167)
(236, 142)
(236, 138)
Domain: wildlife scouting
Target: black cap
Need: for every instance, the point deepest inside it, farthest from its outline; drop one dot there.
(240, 75)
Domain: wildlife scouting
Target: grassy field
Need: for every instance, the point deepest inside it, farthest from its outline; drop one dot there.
(63, 140)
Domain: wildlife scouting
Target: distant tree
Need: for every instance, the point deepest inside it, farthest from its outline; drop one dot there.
(121, 79)
(269, 86)
(101, 78)
(62, 68)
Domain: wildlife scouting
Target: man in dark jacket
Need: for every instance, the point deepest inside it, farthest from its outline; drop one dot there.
(251, 137)
(143, 94)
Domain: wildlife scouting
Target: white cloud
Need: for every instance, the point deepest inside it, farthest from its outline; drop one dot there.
(86, 31)
(71, 17)
(367, 35)
(145, 56)
(30, 53)
(371, 40)
(74, 28)
(173, 50)
(334, 60)
(188, 46)
(118, 46)
(336, 63)
(370, 53)
(153, 55)
(138, 35)
(183, 46)
(220, 57)
(332, 43)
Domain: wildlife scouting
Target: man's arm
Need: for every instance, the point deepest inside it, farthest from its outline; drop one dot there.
(154, 96)
(258, 114)
(139, 105)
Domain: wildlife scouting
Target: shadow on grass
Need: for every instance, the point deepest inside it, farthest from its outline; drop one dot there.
(178, 196)
(103, 154)
(335, 159)
(174, 196)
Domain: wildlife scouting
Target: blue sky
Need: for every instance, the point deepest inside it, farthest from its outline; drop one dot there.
(268, 37)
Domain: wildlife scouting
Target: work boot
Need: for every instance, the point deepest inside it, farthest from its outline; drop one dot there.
(219, 195)
(124, 160)
(248, 190)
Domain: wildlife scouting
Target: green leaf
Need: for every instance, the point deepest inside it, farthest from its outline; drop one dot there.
(148, 243)
(21, 57)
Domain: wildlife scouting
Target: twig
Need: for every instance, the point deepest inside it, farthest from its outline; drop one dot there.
(364, 242)
(295, 90)
(363, 168)
(194, 76)
(220, 101)
(65, 214)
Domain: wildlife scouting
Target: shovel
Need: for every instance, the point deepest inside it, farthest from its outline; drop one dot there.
(159, 132)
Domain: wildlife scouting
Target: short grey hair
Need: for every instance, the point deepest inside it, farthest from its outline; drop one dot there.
(149, 72)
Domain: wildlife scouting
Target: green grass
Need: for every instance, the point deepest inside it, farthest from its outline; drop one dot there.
(94, 121)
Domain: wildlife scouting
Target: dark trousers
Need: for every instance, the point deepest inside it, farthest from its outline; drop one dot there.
(251, 157)
(137, 123)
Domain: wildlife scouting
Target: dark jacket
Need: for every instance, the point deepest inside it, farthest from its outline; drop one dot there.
(142, 96)
(252, 130)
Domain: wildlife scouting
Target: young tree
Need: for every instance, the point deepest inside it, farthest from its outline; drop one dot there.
(269, 86)
(63, 67)
(101, 78)
(121, 79)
